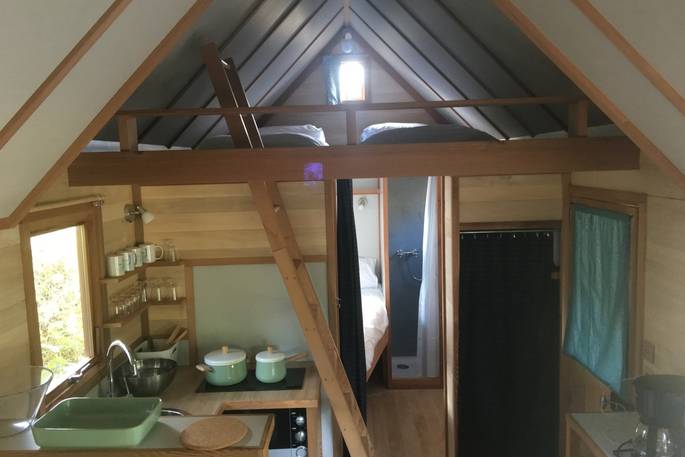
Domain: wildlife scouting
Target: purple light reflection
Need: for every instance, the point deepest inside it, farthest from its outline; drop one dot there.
(313, 171)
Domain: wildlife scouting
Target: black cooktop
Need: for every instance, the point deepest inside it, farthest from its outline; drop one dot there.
(294, 379)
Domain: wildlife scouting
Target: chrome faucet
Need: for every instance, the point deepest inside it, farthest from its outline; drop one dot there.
(131, 359)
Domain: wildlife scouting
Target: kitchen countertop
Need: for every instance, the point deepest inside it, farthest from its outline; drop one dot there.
(181, 395)
(163, 438)
(603, 432)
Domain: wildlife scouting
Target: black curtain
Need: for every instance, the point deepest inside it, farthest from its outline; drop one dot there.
(508, 346)
(349, 293)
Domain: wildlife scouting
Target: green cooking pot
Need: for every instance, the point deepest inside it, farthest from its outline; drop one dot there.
(270, 366)
(224, 367)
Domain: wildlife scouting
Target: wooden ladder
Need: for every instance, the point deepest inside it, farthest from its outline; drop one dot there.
(290, 262)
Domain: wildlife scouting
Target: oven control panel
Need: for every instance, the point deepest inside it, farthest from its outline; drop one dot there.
(289, 438)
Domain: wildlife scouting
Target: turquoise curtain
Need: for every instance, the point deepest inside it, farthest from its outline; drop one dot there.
(598, 319)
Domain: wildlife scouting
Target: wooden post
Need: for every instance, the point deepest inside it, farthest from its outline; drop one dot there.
(128, 133)
(577, 118)
(291, 264)
(564, 288)
(451, 322)
(128, 142)
(351, 123)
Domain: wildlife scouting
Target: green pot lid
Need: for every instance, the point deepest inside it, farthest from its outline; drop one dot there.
(270, 356)
(224, 357)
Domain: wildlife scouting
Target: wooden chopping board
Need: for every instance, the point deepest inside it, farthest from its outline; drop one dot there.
(213, 433)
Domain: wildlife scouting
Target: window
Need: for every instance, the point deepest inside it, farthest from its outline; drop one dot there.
(62, 300)
(605, 291)
(599, 314)
(61, 288)
(352, 80)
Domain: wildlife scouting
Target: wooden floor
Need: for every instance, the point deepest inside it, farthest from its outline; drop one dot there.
(406, 423)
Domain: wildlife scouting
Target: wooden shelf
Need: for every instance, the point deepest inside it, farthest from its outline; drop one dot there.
(180, 301)
(120, 321)
(119, 279)
(162, 263)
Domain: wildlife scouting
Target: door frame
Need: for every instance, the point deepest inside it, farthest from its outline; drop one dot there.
(413, 383)
(452, 314)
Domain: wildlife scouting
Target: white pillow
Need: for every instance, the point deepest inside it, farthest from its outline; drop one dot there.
(374, 129)
(367, 272)
(308, 130)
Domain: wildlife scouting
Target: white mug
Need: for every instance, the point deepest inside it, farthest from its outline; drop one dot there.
(129, 259)
(150, 252)
(116, 265)
(140, 255)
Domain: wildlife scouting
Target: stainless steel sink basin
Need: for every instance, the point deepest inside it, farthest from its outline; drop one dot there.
(154, 375)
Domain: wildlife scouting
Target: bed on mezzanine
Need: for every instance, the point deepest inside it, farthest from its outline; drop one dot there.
(375, 306)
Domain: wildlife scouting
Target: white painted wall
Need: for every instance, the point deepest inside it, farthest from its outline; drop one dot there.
(367, 225)
(575, 36)
(36, 36)
(654, 29)
(53, 127)
(248, 306)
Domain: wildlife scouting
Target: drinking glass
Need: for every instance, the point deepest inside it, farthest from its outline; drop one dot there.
(156, 290)
(170, 254)
(170, 289)
(116, 304)
(664, 444)
(141, 290)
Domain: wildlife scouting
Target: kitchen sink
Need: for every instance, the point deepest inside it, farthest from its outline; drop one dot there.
(97, 422)
(154, 375)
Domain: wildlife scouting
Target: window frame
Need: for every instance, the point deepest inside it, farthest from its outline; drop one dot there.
(635, 205)
(89, 216)
(364, 61)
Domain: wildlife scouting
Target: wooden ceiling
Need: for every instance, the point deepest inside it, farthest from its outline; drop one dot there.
(443, 49)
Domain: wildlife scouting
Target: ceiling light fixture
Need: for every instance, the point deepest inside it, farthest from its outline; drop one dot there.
(347, 45)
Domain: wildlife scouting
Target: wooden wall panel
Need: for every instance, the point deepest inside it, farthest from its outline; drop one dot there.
(220, 221)
(510, 198)
(117, 234)
(13, 327)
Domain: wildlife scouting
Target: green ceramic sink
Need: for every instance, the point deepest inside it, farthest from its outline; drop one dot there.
(97, 422)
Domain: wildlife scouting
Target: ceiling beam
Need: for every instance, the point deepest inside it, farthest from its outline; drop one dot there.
(470, 158)
(347, 11)
(62, 70)
(617, 116)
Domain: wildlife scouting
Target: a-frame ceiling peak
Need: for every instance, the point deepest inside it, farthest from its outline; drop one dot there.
(429, 45)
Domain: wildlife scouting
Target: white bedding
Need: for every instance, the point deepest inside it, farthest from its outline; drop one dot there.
(375, 317)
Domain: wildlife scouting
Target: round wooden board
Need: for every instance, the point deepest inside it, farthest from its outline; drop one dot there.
(213, 433)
